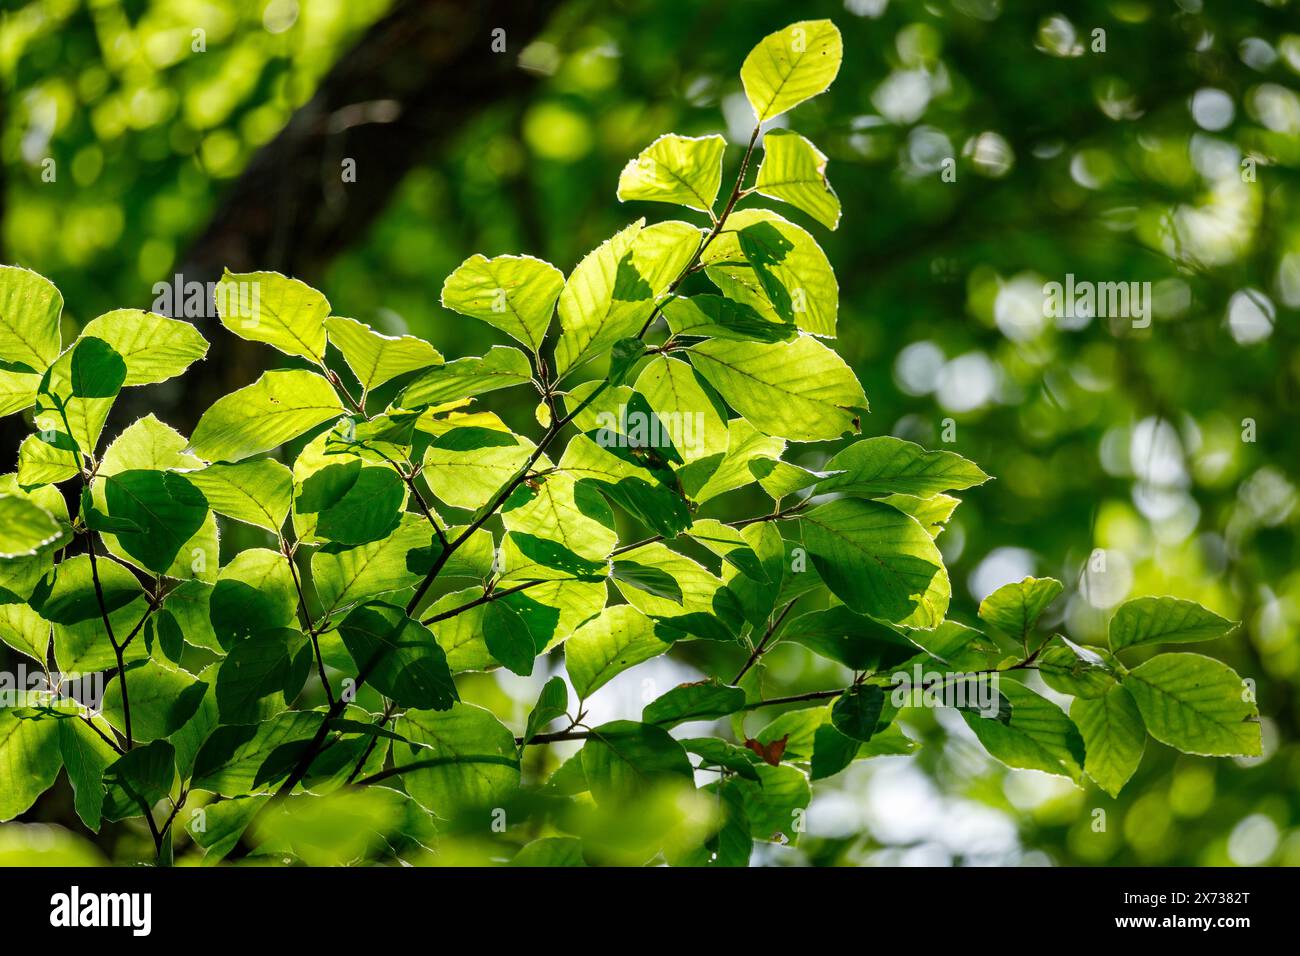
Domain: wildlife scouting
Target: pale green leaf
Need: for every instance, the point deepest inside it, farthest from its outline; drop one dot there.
(1113, 737)
(29, 759)
(613, 292)
(154, 347)
(30, 306)
(1165, 620)
(501, 367)
(40, 463)
(794, 170)
(465, 758)
(515, 294)
(257, 492)
(776, 268)
(790, 66)
(799, 390)
(1197, 705)
(466, 467)
(1015, 608)
(686, 170)
(276, 408)
(376, 358)
(883, 465)
(25, 527)
(621, 637)
(878, 561)
(272, 308)
(1039, 736)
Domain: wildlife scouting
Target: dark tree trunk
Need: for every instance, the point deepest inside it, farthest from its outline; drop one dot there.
(405, 90)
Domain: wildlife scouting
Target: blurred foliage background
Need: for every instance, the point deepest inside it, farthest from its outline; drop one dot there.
(981, 149)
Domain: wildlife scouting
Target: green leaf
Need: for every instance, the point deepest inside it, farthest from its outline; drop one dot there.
(768, 263)
(1015, 608)
(25, 527)
(651, 580)
(466, 467)
(1072, 669)
(716, 316)
(515, 294)
(790, 66)
(962, 648)
(1039, 736)
(794, 170)
(713, 478)
(271, 663)
(465, 757)
(718, 753)
(76, 394)
(85, 756)
(703, 700)
(501, 367)
(623, 356)
(686, 170)
(799, 390)
(166, 508)
(29, 758)
(72, 597)
(549, 852)
(621, 637)
(257, 492)
(162, 699)
(254, 592)
(775, 803)
(40, 463)
(153, 347)
(346, 576)
(148, 444)
(272, 308)
(231, 760)
(856, 712)
(780, 478)
(623, 758)
(552, 703)
(1165, 620)
(846, 637)
(558, 508)
(376, 358)
(399, 656)
(878, 561)
(686, 408)
(613, 292)
(696, 588)
(508, 638)
(932, 513)
(1197, 705)
(880, 466)
(1113, 736)
(353, 503)
(224, 823)
(633, 473)
(30, 306)
(139, 779)
(24, 630)
(276, 408)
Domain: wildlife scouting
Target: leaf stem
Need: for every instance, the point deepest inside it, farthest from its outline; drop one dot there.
(762, 645)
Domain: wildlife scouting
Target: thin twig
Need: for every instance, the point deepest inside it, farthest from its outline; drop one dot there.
(761, 647)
